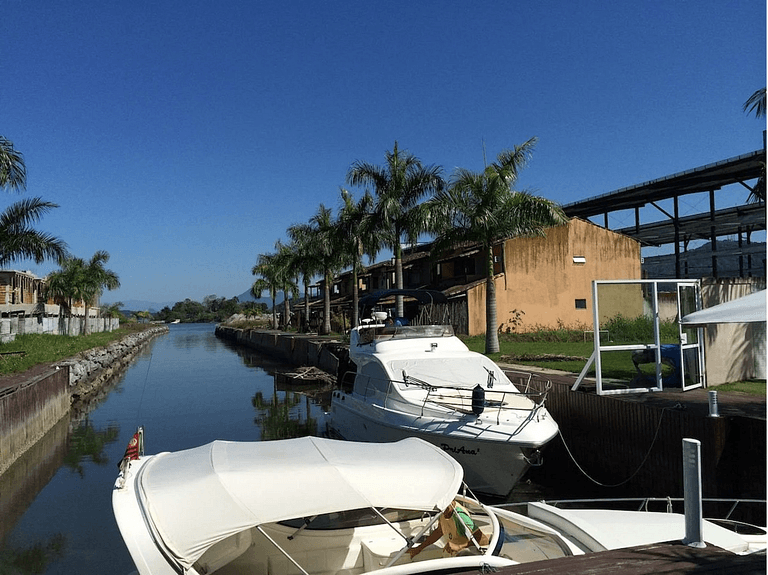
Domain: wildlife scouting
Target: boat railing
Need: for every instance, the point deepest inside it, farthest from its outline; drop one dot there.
(475, 400)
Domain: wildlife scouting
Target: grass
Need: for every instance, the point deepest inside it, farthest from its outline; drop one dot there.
(615, 365)
(45, 348)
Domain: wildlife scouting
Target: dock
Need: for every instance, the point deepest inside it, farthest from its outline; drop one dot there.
(657, 559)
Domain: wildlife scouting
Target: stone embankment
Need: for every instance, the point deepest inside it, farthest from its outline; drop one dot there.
(90, 370)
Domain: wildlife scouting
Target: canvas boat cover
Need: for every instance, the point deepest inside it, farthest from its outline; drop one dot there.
(195, 498)
(747, 309)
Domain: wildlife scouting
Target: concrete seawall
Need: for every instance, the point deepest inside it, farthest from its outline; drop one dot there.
(32, 403)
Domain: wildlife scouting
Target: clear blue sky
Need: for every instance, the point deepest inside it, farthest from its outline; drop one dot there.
(184, 138)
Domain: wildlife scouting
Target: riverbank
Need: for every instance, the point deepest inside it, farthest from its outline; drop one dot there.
(33, 401)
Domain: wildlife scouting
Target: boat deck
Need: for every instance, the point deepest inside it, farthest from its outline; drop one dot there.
(655, 559)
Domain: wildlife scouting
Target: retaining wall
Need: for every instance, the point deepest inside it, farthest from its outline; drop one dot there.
(9, 327)
(32, 403)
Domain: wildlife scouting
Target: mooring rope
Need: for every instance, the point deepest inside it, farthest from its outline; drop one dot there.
(143, 389)
(628, 479)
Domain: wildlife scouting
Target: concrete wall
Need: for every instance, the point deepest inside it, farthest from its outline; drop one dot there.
(28, 409)
(9, 327)
(542, 281)
(296, 349)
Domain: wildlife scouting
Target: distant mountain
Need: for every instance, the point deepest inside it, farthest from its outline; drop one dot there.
(246, 296)
(141, 305)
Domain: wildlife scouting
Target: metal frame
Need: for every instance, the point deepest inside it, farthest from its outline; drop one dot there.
(683, 344)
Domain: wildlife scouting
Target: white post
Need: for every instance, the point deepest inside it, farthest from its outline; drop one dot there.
(692, 493)
(713, 409)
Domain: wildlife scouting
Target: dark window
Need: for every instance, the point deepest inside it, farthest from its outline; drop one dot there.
(581, 304)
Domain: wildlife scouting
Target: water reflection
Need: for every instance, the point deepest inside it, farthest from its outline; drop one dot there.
(34, 559)
(282, 417)
(86, 443)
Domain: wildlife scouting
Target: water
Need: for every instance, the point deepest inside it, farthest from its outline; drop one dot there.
(186, 388)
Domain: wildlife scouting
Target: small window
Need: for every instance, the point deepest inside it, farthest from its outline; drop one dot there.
(579, 260)
(581, 304)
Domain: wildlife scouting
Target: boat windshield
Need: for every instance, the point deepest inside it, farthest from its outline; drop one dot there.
(379, 332)
(352, 518)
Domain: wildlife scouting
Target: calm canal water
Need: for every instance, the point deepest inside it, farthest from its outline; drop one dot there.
(186, 388)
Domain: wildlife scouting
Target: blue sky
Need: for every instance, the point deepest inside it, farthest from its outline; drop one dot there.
(184, 138)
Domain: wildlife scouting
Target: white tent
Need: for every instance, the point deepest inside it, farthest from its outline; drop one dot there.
(747, 309)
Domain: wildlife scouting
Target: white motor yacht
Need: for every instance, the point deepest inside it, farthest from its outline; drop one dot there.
(317, 506)
(415, 378)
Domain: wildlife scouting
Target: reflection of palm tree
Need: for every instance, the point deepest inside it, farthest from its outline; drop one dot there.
(275, 417)
(87, 442)
(33, 559)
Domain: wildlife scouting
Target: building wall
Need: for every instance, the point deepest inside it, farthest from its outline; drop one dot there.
(541, 283)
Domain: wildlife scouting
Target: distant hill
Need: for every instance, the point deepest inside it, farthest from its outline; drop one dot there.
(246, 296)
(142, 305)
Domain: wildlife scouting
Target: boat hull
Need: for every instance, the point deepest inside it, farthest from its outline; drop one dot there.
(491, 467)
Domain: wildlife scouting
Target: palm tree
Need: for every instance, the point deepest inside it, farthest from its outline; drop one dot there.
(325, 240)
(356, 233)
(399, 187)
(267, 269)
(83, 281)
(13, 172)
(756, 103)
(284, 261)
(18, 240)
(305, 260)
(482, 208)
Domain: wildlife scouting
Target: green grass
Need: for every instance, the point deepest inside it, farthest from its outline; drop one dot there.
(615, 365)
(45, 348)
(750, 387)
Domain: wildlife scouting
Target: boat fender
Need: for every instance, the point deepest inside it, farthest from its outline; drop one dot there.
(478, 400)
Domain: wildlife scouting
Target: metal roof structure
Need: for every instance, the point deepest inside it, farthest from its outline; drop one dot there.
(676, 229)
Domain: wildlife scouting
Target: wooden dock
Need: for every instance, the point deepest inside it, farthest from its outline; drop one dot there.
(656, 559)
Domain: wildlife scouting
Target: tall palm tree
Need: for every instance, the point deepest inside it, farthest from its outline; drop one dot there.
(325, 241)
(482, 208)
(305, 260)
(18, 240)
(284, 262)
(357, 237)
(399, 187)
(268, 281)
(78, 280)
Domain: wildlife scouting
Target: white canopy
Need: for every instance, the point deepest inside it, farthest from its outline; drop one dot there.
(200, 496)
(747, 309)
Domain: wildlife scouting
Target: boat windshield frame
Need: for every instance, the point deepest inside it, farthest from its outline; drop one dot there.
(378, 332)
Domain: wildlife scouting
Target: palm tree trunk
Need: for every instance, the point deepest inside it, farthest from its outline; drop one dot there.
(286, 310)
(399, 279)
(491, 321)
(327, 305)
(306, 304)
(355, 298)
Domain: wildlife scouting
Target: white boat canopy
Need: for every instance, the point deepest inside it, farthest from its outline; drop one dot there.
(198, 497)
(747, 309)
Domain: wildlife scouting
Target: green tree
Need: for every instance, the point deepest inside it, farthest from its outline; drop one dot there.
(356, 238)
(286, 273)
(399, 186)
(18, 239)
(756, 104)
(305, 259)
(483, 208)
(78, 280)
(268, 281)
(112, 310)
(325, 242)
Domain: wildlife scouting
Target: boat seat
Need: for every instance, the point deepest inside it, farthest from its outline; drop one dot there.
(224, 552)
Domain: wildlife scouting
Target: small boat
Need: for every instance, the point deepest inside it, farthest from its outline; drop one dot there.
(415, 378)
(318, 506)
